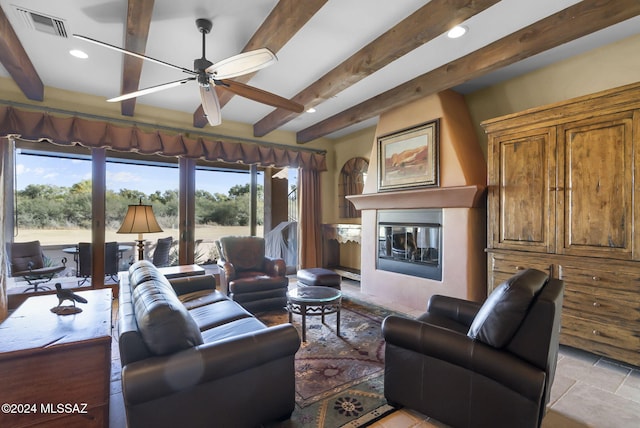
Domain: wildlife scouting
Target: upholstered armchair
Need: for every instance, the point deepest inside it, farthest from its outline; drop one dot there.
(247, 276)
(467, 364)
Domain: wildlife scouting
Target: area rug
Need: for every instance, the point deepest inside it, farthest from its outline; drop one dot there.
(339, 380)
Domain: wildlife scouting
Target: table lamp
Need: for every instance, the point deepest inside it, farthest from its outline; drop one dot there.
(140, 219)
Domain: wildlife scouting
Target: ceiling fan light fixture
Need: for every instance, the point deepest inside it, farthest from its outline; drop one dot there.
(457, 31)
(78, 54)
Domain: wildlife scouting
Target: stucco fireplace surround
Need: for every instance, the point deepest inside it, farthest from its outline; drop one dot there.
(459, 201)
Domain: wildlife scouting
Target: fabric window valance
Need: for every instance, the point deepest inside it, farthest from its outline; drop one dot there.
(42, 126)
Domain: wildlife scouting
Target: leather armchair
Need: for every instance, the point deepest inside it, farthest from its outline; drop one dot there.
(467, 364)
(247, 276)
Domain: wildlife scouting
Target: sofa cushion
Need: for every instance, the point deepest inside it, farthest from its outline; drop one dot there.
(196, 299)
(506, 307)
(218, 313)
(232, 329)
(164, 323)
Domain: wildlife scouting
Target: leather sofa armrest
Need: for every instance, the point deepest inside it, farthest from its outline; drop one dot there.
(157, 377)
(190, 284)
(462, 351)
(459, 310)
(275, 266)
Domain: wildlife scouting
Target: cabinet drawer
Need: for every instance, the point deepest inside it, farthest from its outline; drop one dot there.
(625, 279)
(503, 266)
(511, 265)
(630, 356)
(601, 304)
(610, 333)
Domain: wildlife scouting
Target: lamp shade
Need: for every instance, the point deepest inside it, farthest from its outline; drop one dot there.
(139, 219)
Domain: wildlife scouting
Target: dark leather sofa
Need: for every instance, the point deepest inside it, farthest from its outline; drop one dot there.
(468, 364)
(193, 358)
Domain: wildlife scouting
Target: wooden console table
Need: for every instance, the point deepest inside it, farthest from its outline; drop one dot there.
(55, 369)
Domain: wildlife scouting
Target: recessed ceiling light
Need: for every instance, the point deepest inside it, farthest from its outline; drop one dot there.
(78, 54)
(457, 31)
(311, 110)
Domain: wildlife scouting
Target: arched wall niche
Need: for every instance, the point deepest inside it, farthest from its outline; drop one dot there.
(351, 182)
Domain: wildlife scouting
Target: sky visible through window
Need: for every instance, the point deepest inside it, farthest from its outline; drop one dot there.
(64, 172)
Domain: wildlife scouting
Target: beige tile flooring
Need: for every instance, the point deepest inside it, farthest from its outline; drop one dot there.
(588, 391)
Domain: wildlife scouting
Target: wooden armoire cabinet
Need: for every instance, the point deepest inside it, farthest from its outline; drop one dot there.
(563, 196)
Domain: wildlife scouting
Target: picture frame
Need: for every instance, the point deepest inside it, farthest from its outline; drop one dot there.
(409, 158)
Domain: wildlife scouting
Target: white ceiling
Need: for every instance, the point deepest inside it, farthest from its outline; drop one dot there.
(338, 30)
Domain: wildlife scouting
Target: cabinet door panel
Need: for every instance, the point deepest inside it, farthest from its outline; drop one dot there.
(520, 191)
(598, 186)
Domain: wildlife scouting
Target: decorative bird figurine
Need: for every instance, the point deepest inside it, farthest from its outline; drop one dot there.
(68, 295)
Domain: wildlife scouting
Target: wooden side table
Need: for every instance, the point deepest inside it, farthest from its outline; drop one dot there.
(55, 369)
(314, 300)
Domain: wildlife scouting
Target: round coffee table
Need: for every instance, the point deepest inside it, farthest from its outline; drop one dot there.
(314, 300)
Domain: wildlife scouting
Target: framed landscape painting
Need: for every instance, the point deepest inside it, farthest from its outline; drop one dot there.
(409, 158)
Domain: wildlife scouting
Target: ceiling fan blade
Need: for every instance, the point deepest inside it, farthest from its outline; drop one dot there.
(244, 63)
(150, 90)
(210, 105)
(259, 95)
(137, 55)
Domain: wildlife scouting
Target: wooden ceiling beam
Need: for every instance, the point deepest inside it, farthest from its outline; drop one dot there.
(284, 21)
(137, 32)
(15, 59)
(567, 25)
(422, 26)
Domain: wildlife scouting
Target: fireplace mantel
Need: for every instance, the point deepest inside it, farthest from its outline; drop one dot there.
(440, 197)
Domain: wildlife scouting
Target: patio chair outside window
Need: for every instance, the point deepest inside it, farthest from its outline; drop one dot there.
(27, 261)
(161, 253)
(111, 259)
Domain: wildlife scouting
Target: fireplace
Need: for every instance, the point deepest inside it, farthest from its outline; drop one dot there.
(408, 258)
(410, 242)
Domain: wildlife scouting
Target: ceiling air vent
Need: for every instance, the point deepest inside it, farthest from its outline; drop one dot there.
(41, 22)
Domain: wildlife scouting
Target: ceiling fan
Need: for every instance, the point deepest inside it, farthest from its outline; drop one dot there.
(208, 75)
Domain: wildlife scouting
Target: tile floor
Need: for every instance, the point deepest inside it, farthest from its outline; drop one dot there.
(588, 391)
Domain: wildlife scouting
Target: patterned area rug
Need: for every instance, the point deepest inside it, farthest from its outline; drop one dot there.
(339, 380)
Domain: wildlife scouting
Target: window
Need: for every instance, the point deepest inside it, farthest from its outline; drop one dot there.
(155, 183)
(52, 197)
(223, 205)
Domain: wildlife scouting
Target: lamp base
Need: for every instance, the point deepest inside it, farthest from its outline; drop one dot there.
(140, 249)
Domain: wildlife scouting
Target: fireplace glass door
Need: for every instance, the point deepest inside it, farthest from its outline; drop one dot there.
(409, 242)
